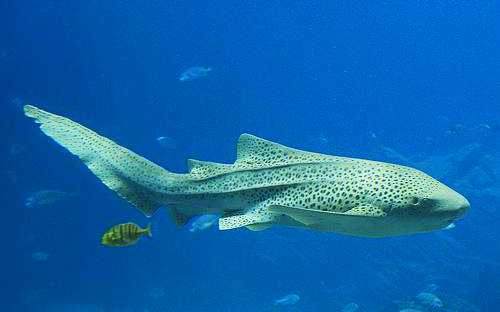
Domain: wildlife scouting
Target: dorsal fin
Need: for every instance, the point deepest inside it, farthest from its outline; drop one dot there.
(204, 169)
(254, 151)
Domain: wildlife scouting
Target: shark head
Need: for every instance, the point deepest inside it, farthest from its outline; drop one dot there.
(439, 207)
(416, 203)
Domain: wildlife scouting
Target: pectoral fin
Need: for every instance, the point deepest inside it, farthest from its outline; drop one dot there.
(255, 219)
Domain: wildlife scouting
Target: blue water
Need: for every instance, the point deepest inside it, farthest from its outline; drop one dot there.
(337, 77)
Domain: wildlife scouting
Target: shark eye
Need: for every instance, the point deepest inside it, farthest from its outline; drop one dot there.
(416, 201)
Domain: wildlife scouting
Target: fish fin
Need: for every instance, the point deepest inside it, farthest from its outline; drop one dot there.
(179, 218)
(234, 222)
(207, 169)
(131, 176)
(254, 216)
(259, 226)
(147, 230)
(254, 152)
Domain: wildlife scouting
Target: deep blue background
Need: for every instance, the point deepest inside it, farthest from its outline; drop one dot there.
(296, 72)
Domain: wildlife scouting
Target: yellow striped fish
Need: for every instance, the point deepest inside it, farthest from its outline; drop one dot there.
(125, 234)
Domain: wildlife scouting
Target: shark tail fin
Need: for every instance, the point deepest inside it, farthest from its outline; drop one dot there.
(131, 176)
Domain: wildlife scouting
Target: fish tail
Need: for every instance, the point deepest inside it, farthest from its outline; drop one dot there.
(132, 177)
(147, 230)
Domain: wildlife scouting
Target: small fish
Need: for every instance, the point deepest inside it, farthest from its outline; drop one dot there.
(125, 234)
(40, 256)
(455, 129)
(166, 142)
(430, 288)
(351, 307)
(18, 149)
(494, 127)
(203, 222)
(47, 197)
(195, 72)
(287, 300)
(157, 293)
(450, 226)
(429, 300)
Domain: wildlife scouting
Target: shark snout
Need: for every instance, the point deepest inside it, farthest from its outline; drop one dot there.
(461, 205)
(452, 205)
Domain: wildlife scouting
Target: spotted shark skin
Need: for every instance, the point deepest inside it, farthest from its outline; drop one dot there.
(269, 184)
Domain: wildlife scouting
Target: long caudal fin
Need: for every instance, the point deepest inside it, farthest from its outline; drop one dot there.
(133, 177)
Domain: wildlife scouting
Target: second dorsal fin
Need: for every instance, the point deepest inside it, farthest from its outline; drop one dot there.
(205, 169)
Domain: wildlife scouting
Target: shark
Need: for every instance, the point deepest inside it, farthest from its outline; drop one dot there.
(268, 185)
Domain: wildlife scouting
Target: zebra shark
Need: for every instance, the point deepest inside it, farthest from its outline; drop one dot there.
(269, 184)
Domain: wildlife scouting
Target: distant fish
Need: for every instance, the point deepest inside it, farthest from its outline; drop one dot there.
(430, 288)
(351, 307)
(393, 154)
(47, 197)
(455, 129)
(429, 300)
(18, 149)
(157, 293)
(40, 256)
(372, 134)
(195, 72)
(203, 222)
(450, 226)
(125, 234)
(493, 127)
(287, 300)
(410, 310)
(166, 142)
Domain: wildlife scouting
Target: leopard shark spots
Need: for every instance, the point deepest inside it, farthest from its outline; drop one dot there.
(269, 184)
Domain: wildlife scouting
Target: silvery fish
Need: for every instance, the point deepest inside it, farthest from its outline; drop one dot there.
(351, 307)
(269, 185)
(287, 300)
(203, 222)
(166, 142)
(18, 149)
(47, 197)
(195, 72)
(40, 256)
